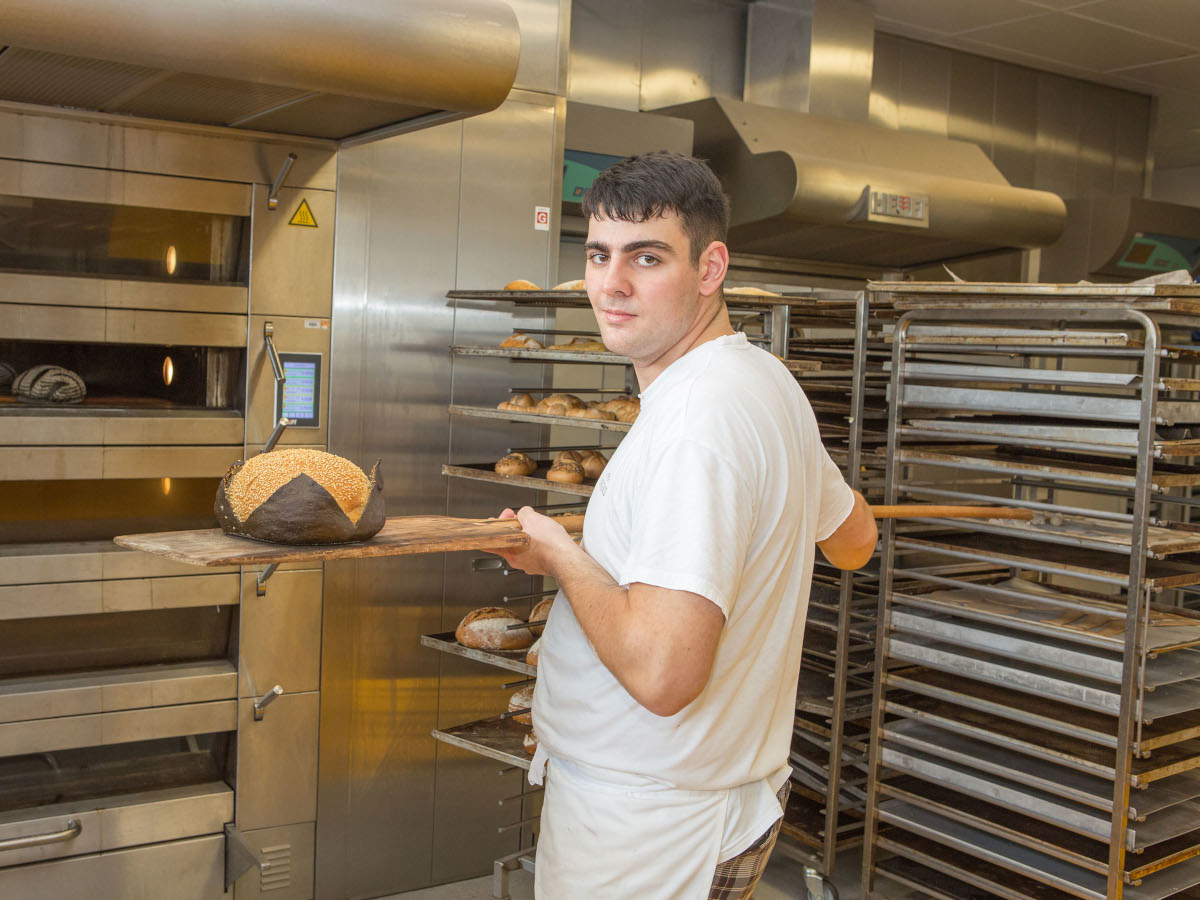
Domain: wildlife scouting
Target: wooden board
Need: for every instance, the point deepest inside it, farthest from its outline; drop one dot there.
(400, 536)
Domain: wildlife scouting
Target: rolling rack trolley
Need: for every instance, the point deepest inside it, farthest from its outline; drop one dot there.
(1036, 734)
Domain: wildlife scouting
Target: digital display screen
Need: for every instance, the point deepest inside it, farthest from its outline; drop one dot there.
(299, 398)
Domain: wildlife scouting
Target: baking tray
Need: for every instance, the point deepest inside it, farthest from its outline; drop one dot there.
(503, 415)
(537, 481)
(553, 356)
(512, 660)
(1084, 378)
(1052, 404)
(496, 738)
(1064, 468)
(1045, 651)
(1054, 684)
(1050, 435)
(1030, 606)
(1074, 530)
(1095, 565)
(1042, 743)
(998, 700)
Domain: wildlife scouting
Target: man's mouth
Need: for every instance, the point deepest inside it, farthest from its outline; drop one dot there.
(616, 317)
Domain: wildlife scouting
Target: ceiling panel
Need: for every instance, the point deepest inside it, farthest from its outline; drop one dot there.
(952, 16)
(1171, 20)
(1178, 73)
(1080, 42)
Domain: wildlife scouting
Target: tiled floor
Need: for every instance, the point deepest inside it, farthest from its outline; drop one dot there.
(783, 880)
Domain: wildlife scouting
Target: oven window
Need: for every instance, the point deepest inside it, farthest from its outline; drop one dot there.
(68, 238)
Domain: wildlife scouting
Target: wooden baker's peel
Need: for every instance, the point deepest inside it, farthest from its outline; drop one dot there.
(408, 535)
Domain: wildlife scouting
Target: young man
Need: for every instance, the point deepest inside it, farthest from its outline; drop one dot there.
(666, 690)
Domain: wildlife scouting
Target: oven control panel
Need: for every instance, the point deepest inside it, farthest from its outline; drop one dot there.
(298, 398)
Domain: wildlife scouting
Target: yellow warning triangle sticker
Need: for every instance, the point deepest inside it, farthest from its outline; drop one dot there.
(303, 216)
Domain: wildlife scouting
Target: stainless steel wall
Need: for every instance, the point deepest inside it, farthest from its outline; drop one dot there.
(418, 215)
(1043, 131)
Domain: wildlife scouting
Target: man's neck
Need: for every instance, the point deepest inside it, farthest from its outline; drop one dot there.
(717, 325)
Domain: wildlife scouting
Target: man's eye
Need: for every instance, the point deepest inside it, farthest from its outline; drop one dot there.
(598, 258)
(647, 260)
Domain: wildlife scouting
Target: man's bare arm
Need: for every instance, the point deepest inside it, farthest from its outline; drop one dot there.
(851, 546)
(659, 643)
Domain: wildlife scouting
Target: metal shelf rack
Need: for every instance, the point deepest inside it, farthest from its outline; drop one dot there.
(1034, 733)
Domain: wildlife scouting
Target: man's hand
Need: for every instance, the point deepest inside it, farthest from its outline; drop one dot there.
(549, 544)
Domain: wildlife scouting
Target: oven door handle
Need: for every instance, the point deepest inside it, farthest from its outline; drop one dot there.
(72, 831)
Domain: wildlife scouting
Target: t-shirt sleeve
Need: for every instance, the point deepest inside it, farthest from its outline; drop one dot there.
(692, 526)
(837, 499)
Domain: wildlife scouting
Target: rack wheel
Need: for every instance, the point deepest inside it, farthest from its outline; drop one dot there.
(817, 886)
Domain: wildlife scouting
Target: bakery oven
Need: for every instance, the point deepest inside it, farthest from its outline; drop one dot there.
(158, 318)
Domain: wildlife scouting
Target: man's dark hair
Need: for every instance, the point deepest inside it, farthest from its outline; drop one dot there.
(653, 184)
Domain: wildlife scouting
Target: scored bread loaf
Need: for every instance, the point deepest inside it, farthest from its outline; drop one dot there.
(559, 404)
(572, 455)
(522, 699)
(516, 464)
(588, 413)
(531, 657)
(580, 345)
(518, 403)
(539, 614)
(530, 743)
(521, 284)
(300, 496)
(488, 629)
(521, 341)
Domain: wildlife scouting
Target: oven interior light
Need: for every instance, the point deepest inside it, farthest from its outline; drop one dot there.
(172, 259)
(168, 371)
(166, 487)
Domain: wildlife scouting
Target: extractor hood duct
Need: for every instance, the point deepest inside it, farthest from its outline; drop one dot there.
(1121, 237)
(337, 70)
(819, 188)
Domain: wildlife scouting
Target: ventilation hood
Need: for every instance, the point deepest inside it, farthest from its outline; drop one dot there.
(1123, 237)
(820, 188)
(347, 71)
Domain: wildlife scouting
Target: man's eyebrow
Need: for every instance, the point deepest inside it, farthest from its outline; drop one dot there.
(632, 246)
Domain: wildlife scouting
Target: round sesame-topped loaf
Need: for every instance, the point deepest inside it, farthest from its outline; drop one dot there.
(300, 496)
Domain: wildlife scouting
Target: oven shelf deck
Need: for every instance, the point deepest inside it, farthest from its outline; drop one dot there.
(512, 660)
(400, 536)
(496, 738)
(552, 356)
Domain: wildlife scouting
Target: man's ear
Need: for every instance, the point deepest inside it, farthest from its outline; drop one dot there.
(714, 263)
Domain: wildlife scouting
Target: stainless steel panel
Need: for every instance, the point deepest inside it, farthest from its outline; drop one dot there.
(540, 21)
(1134, 122)
(29, 463)
(33, 601)
(51, 323)
(1016, 126)
(280, 640)
(1058, 123)
(168, 462)
(29, 823)
(778, 56)
(166, 815)
(38, 179)
(88, 560)
(972, 100)
(1096, 168)
(925, 89)
(277, 762)
(606, 53)
(884, 106)
(291, 270)
(42, 735)
(843, 41)
(31, 428)
(291, 852)
(178, 870)
(47, 696)
(682, 69)
(292, 334)
(128, 326)
(376, 795)
(68, 290)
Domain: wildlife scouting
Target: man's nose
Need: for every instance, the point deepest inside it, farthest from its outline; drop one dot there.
(616, 280)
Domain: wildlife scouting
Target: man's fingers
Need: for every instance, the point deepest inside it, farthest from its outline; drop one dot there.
(508, 514)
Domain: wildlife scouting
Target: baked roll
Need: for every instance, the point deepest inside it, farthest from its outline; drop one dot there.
(580, 344)
(516, 464)
(521, 341)
(559, 404)
(566, 472)
(572, 455)
(522, 699)
(531, 658)
(521, 285)
(539, 614)
(577, 285)
(530, 743)
(487, 629)
(593, 463)
(518, 403)
(750, 292)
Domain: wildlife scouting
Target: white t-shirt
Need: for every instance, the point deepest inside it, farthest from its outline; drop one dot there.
(722, 488)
